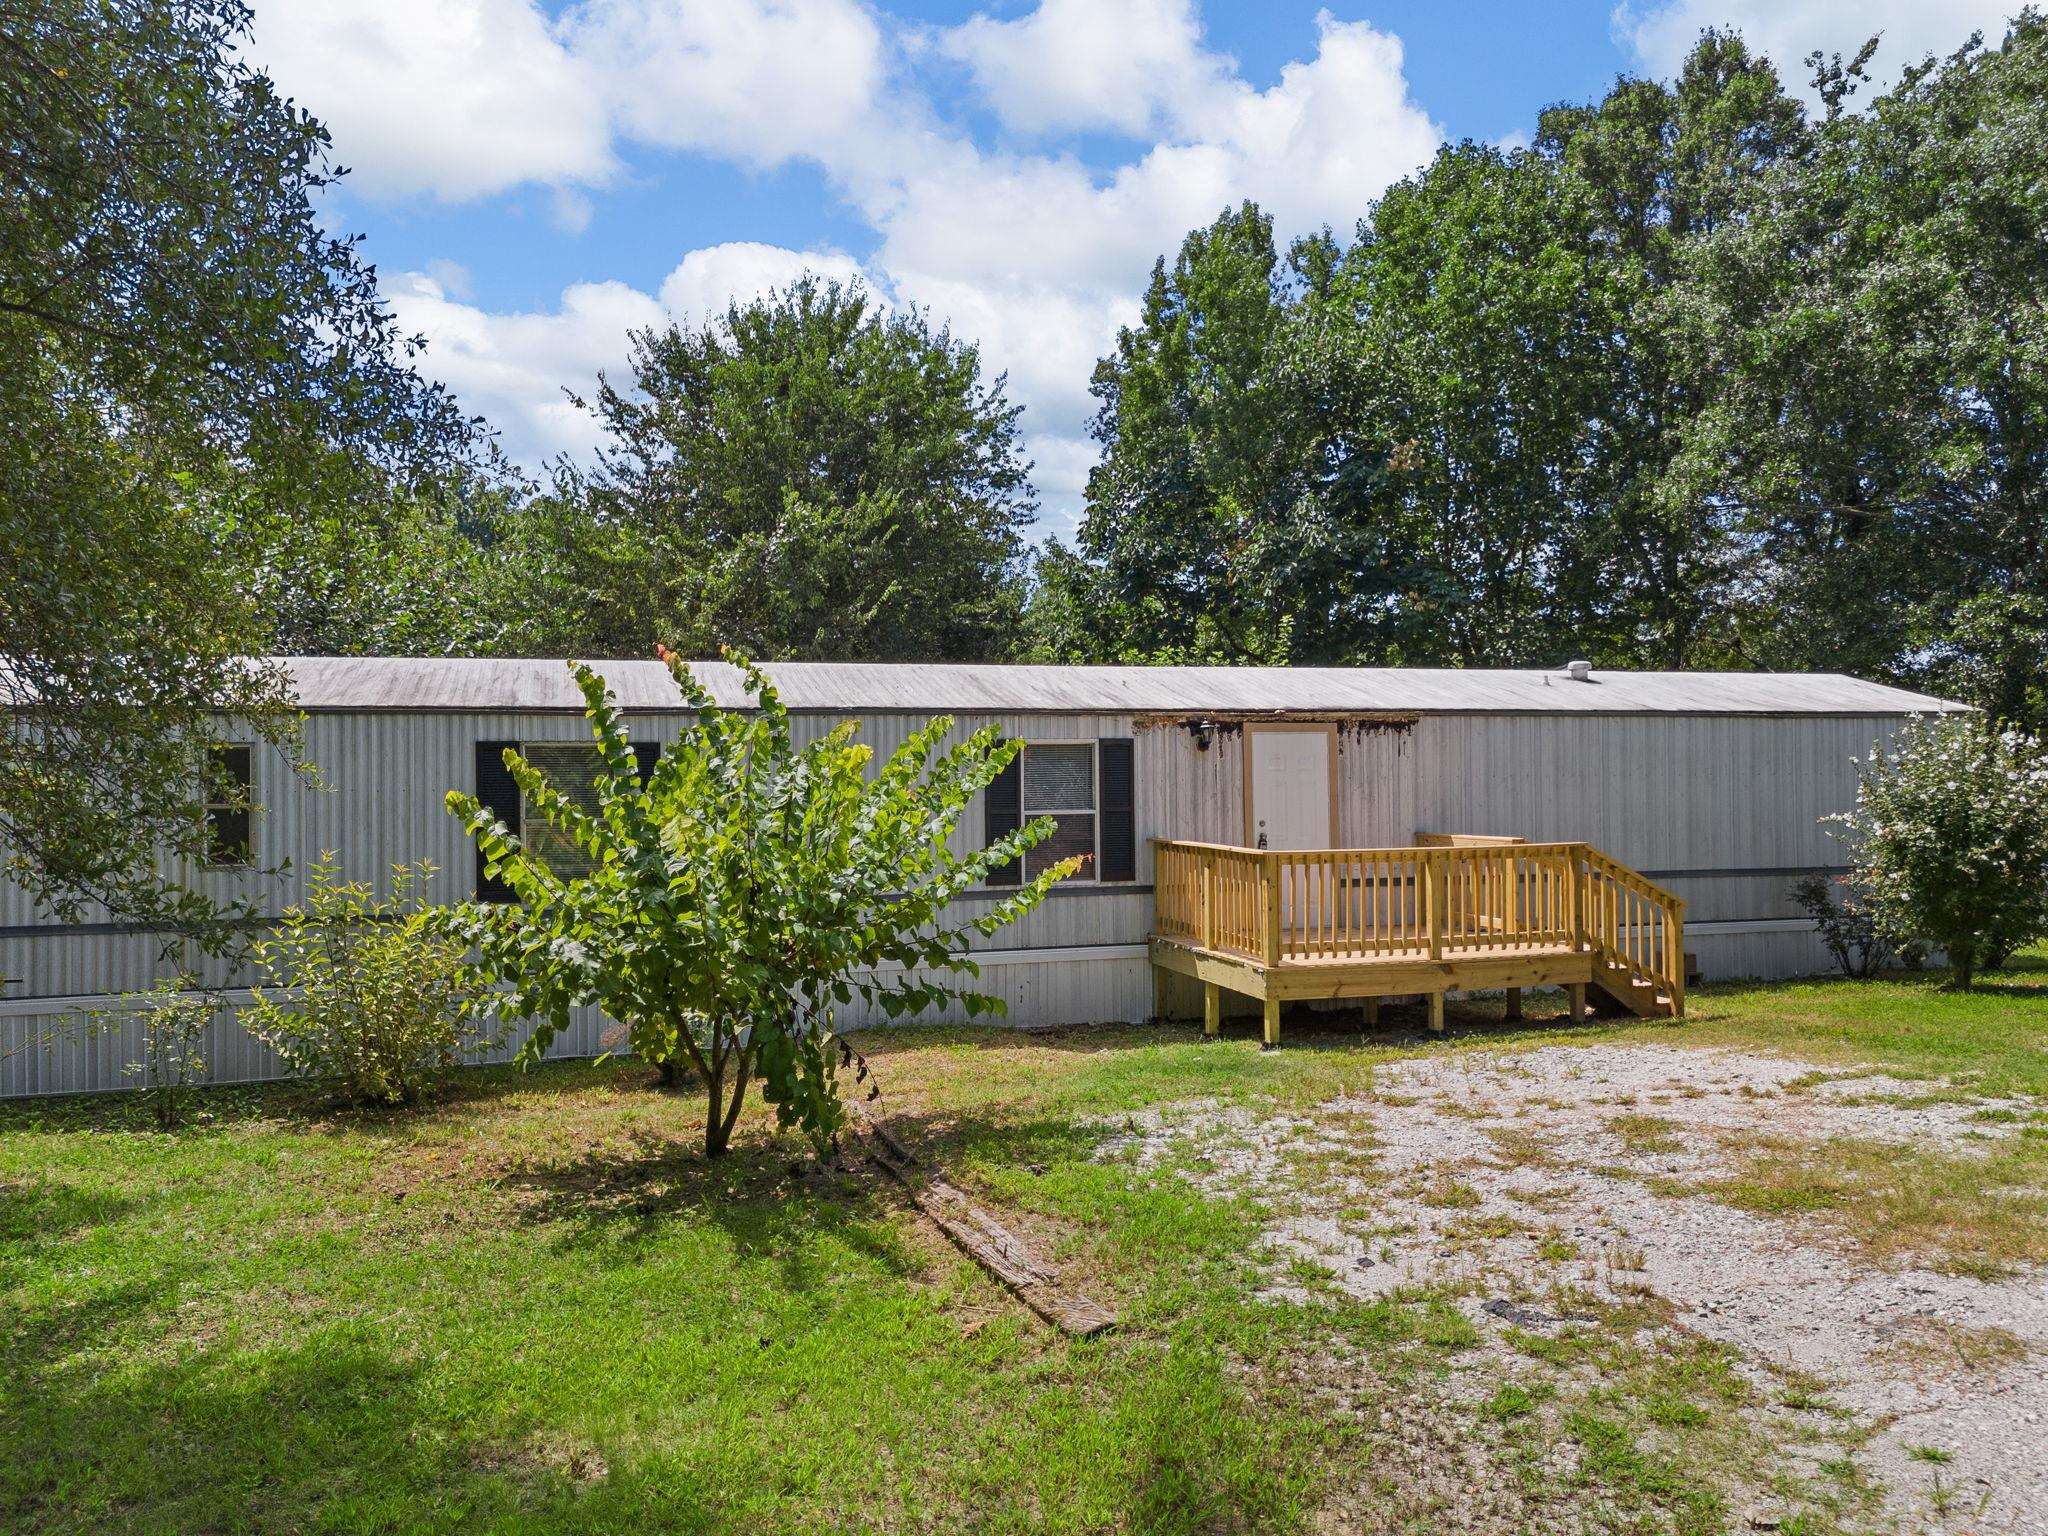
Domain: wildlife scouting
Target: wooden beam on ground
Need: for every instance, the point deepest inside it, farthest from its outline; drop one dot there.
(984, 1239)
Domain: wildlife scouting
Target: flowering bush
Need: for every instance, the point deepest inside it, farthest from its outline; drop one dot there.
(368, 995)
(1951, 837)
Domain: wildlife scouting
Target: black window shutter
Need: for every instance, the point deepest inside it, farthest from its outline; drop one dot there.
(499, 794)
(1116, 792)
(1002, 805)
(647, 753)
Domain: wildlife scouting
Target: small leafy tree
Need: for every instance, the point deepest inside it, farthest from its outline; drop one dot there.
(1846, 923)
(1951, 833)
(367, 994)
(175, 1015)
(744, 891)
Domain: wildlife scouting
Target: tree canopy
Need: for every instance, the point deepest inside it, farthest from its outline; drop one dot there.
(809, 475)
(189, 364)
(1696, 379)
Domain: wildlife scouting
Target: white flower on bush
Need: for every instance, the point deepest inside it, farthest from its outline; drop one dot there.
(1951, 838)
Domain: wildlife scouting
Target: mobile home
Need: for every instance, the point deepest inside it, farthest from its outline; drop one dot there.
(1254, 835)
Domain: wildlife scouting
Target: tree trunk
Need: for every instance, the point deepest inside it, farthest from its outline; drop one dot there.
(717, 1123)
(721, 1114)
(671, 1073)
(1962, 962)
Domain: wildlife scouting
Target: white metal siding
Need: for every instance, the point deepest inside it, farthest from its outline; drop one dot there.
(1661, 793)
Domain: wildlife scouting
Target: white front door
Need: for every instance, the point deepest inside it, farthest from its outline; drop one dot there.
(1290, 786)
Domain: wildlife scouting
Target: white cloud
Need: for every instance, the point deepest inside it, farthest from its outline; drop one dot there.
(1128, 65)
(452, 278)
(1059, 469)
(1045, 338)
(461, 99)
(758, 81)
(1661, 35)
(1315, 148)
(707, 280)
(1334, 132)
(1035, 255)
(458, 98)
(513, 368)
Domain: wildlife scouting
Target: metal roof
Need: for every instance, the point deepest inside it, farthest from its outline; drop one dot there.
(524, 685)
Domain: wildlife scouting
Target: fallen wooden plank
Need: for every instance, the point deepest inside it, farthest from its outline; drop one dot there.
(985, 1240)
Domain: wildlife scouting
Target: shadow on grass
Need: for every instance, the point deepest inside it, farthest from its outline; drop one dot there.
(313, 1107)
(39, 1215)
(1402, 1023)
(766, 1195)
(336, 1434)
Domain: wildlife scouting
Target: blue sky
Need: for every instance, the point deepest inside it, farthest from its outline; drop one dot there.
(533, 180)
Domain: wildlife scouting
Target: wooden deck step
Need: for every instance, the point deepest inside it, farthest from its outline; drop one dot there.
(1626, 990)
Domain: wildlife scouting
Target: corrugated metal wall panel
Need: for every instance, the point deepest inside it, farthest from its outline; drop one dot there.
(1659, 793)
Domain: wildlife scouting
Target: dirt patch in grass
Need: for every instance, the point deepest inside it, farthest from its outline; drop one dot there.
(1963, 1210)
(1865, 1250)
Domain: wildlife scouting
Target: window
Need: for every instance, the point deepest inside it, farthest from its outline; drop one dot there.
(572, 768)
(1059, 781)
(229, 775)
(1085, 788)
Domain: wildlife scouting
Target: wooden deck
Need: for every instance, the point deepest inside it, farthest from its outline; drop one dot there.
(1451, 914)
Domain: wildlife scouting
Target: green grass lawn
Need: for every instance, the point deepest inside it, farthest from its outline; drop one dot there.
(534, 1307)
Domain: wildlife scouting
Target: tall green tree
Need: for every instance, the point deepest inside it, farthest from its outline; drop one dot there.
(1648, 172)
(1879, 324)
(1200, 540)
(188, 361)
(1464, 371)
(809, 475)
(433, 569)
(1451, 441)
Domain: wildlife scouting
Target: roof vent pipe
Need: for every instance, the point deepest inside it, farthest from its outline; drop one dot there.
(1579, 671)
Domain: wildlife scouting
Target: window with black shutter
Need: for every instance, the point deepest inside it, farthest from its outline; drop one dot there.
(647, 754)
(498, 792)
(1116, 795)
(1002, 813)
(1087, 790)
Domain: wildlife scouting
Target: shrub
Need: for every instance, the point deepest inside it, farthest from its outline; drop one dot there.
(1951, 837)
(722, 908)
(365, 993)
(175, 1015)
(1847, 925)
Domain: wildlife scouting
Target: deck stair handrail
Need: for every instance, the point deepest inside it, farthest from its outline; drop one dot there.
(1468, 895)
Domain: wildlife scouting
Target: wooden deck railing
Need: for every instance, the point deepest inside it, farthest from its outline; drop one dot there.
(1468, 896)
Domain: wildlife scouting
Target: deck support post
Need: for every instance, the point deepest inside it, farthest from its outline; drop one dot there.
(1272, 1024)
(1436, 1013)
(1372, 1013)
(1577, 993)
(1514, 1008)
(1212, 1009)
